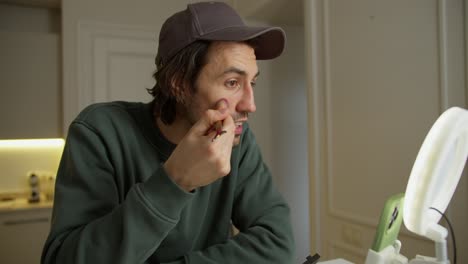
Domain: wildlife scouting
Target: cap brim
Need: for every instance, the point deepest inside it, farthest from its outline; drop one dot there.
(269, 41)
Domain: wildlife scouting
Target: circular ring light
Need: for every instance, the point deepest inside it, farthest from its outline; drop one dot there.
(436, 173)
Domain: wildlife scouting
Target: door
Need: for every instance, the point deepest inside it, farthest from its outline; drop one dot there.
(109, 49)
(380, 73)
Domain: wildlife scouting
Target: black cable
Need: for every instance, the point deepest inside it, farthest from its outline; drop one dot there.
(451, 233)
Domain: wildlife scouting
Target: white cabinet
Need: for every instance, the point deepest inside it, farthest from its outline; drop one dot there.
(23, 233)
(30, 72)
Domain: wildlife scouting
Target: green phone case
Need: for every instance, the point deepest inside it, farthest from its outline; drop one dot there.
(389, 223)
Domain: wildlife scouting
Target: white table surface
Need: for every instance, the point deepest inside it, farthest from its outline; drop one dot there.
(336, 261)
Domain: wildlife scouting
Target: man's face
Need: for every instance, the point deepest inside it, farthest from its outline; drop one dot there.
(230, 72)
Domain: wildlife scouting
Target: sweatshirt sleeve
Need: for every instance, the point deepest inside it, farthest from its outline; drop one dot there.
(260, 213)
(91, 222)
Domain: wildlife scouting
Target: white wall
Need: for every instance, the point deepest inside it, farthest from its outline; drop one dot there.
(261, 121)
(289, 125)
(280, 126)
(381, 74)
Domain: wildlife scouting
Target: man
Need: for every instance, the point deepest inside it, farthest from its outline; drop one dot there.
(163, 182)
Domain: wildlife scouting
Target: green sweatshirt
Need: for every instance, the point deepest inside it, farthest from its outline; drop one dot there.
(114, 203)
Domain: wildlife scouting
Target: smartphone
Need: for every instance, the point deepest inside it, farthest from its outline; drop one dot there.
(389, 223)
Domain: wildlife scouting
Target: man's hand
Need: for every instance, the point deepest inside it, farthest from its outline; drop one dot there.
(198, 160)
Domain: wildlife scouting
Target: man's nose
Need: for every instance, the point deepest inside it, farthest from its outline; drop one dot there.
(247, 102)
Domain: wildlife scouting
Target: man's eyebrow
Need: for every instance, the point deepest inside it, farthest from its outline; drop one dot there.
(238, 71)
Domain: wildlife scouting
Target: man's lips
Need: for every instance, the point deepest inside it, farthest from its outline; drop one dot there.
(239, 127)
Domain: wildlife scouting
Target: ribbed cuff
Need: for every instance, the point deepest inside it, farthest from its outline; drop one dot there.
(164, 195)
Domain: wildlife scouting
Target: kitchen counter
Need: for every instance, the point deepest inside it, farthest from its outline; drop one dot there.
(21, 204)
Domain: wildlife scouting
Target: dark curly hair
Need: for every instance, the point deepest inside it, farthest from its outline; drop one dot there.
(175, 80)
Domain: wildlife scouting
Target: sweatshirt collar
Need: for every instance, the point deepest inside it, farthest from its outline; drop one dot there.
(152, 132)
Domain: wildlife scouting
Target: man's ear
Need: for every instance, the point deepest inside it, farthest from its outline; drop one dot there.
(177, 90)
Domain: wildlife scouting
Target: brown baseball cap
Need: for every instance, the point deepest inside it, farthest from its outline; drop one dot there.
(216, 21)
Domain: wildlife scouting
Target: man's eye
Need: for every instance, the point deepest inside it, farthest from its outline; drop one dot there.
(232, 84)
(253, 84)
